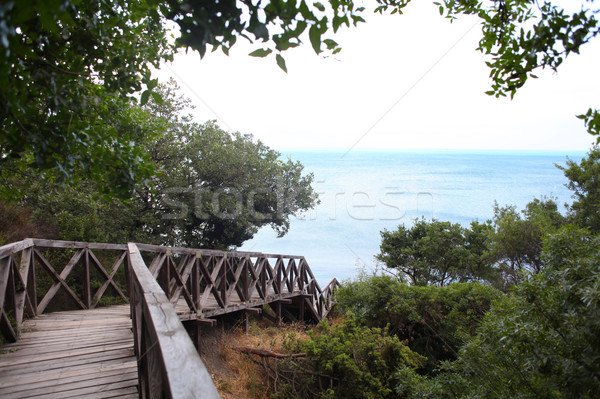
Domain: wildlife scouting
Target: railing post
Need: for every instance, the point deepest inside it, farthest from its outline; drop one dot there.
(86, 279)
(245, 279)
(7, 298)
(223, 281)
(195, 283)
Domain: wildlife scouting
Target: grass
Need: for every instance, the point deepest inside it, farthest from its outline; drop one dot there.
(238, 375)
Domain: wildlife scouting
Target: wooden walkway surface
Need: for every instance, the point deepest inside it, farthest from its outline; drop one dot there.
(83, 353)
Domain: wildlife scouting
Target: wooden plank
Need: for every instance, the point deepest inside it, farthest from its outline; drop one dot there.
(127, 392)
(77, 244)
(9, 249)
(85, 277)
(59, 280)
(111, 356)
(64, 376)
(186, 374)
(210, 283)
(5, 266)
(55, 355)
(108, 277)
(183, 279)
(75, 388)
(72, 362)
(181, 289)
(65, 348)
(41, 337)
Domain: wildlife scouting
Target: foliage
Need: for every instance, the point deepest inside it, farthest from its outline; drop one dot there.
(436, 252)
(522, 36)
(516, 245)
(214, 188)
(434, 321)
(541, 341)
(280, 22)
(217, 188)
(60, 60)
(583, 181)
(348, 361)
(497, 252)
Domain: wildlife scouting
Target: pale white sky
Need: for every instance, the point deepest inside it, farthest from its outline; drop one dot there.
(412, 81)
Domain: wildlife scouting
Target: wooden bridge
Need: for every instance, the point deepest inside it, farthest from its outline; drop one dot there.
(147, 346)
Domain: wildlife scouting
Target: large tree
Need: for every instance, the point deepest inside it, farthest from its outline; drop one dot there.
(499, 252)
(435, 252)
(584, 182)
(60, 60)
(212, 188)
(516, 243)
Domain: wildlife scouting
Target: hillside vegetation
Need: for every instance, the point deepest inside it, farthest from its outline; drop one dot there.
(500, 321)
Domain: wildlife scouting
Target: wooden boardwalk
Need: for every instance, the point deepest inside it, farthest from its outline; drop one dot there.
(83, 353)
(112, 353)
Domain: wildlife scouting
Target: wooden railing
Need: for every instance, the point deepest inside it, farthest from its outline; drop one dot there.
(32, 272)
(214, 282)
(168, 364)
(38, 276)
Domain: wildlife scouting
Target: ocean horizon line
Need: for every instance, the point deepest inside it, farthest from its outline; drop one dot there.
(345, 152)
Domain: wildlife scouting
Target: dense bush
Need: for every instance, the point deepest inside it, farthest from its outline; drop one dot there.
(348, 361)
(542, 340)
(435, 321)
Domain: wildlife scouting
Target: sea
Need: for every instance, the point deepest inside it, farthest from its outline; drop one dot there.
(362, 193)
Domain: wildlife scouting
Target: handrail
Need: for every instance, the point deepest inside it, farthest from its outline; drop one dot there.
(20, 283)
(326, 299)
(15, 247)
(168, 363)
(225, 280)
(213, 282)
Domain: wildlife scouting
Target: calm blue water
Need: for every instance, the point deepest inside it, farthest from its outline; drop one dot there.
(363, 193)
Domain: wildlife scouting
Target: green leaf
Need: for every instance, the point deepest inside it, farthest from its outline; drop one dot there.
(315, 38)
(319, 6)
(152, 84)
(281, 62)
(157, 97)
(261, 52)
(145, 96)
(331, 44)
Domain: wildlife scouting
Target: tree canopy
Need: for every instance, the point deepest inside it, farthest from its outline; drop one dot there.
(433, 252)
(498, 252)
(540, 341)
(212, 188)
(583, 181)
(60, 60)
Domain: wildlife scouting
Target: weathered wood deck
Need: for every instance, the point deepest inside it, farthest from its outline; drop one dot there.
(83, 353)
(142, 349)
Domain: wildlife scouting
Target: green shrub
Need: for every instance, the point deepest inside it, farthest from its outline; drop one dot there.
(542, 340)
(348, 361)
(435, 321)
